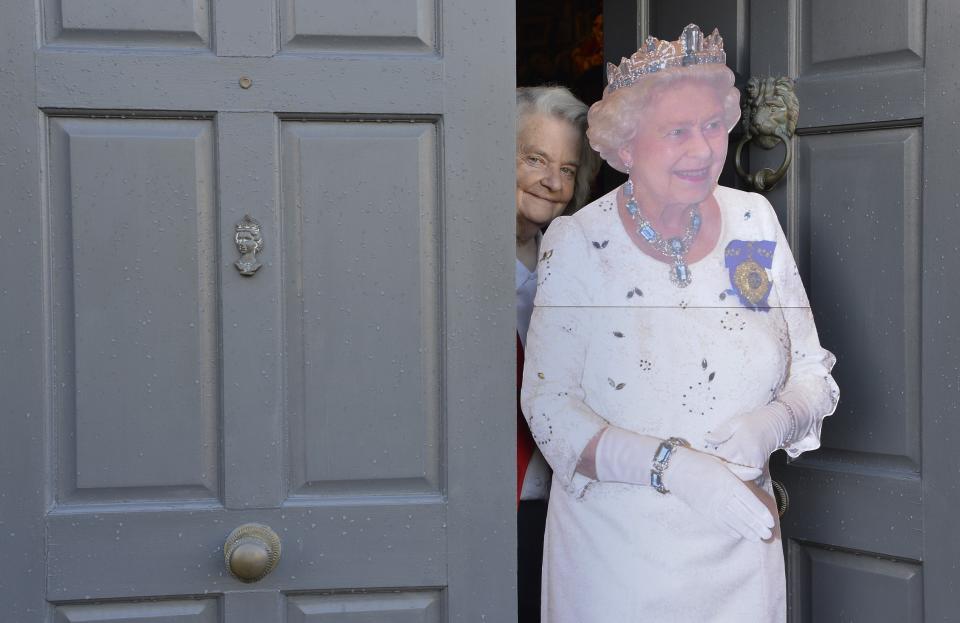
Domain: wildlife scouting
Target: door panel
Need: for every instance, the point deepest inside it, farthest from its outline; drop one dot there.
(845, 586)
(873, 77)
(859, 228)
(184, 24)
(869, 206)
(362, 305)
(193, 611)
(420, 607)
(866, 509)
(347, 394)
(367, 26)
(889, 36)
(135, 347)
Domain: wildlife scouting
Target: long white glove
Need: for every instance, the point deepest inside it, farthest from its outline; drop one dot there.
(750, 438)
(699, 480)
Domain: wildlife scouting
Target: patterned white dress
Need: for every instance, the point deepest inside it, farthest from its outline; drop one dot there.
(613, 342)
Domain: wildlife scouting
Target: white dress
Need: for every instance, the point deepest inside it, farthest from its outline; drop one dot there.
(536, 480)
(613, 342)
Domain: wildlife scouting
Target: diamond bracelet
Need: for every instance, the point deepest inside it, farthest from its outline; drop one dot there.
(792, 433)
(661, 460)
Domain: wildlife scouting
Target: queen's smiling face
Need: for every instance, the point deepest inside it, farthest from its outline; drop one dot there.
(678, 151)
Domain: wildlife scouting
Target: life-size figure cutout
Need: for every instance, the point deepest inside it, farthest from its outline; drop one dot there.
(671, 350)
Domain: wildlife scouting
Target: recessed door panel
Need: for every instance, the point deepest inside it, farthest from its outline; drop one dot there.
(363, 305)
(860, 193)
(847, 586)
(193, 611)
(128, 23)
(394, 607)
(856, 62)
(869, 506)
(842, 35)
(364, 26)
(133, 215)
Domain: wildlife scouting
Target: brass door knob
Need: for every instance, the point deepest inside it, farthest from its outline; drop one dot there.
(251, 552)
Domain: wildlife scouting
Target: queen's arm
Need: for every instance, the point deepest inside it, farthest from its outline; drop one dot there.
(552, 397)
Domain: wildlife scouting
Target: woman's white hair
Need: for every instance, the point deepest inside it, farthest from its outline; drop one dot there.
(614, 119)
(559, 102)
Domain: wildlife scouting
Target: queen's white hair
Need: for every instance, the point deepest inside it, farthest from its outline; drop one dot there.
(615, 118)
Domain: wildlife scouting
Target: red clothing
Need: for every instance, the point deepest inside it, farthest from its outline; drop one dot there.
(525, 443)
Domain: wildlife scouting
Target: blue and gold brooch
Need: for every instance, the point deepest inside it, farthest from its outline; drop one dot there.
(748, 261)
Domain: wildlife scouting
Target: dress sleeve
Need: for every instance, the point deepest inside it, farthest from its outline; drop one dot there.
(552, 396)
(808, 389)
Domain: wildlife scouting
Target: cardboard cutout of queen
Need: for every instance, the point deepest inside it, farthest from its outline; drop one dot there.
(671, 351)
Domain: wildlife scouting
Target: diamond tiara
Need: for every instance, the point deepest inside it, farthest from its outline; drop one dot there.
(692, 48)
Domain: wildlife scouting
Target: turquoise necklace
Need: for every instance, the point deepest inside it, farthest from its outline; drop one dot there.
(675, 248)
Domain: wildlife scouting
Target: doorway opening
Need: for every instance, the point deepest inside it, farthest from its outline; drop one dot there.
(560, 42)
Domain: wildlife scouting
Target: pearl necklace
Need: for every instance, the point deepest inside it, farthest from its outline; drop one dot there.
(676, 247)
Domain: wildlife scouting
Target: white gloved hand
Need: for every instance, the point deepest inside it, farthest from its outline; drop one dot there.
(750, 438)
(705, 484)
(701, 481)
(623, 456)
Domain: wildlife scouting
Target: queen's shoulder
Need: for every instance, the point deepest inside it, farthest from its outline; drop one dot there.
(592, 217)
(733, 197)
(744, 207)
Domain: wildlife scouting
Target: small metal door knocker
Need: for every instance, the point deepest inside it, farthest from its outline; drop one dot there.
(770, 113)
(249, 242)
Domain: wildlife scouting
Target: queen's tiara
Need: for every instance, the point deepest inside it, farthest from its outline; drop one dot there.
(692, 48)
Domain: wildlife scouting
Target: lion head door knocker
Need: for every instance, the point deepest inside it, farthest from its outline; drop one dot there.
(770, 113)
(249, 242)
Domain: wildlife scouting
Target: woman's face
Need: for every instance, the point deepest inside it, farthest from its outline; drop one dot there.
(547, 152)
(246, 242)
(680, 145)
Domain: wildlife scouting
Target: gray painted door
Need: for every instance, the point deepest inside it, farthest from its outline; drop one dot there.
(871, 208)
(349, 394)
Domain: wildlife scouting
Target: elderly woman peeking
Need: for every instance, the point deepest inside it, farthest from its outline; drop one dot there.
(671, 350)
(555, 166)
